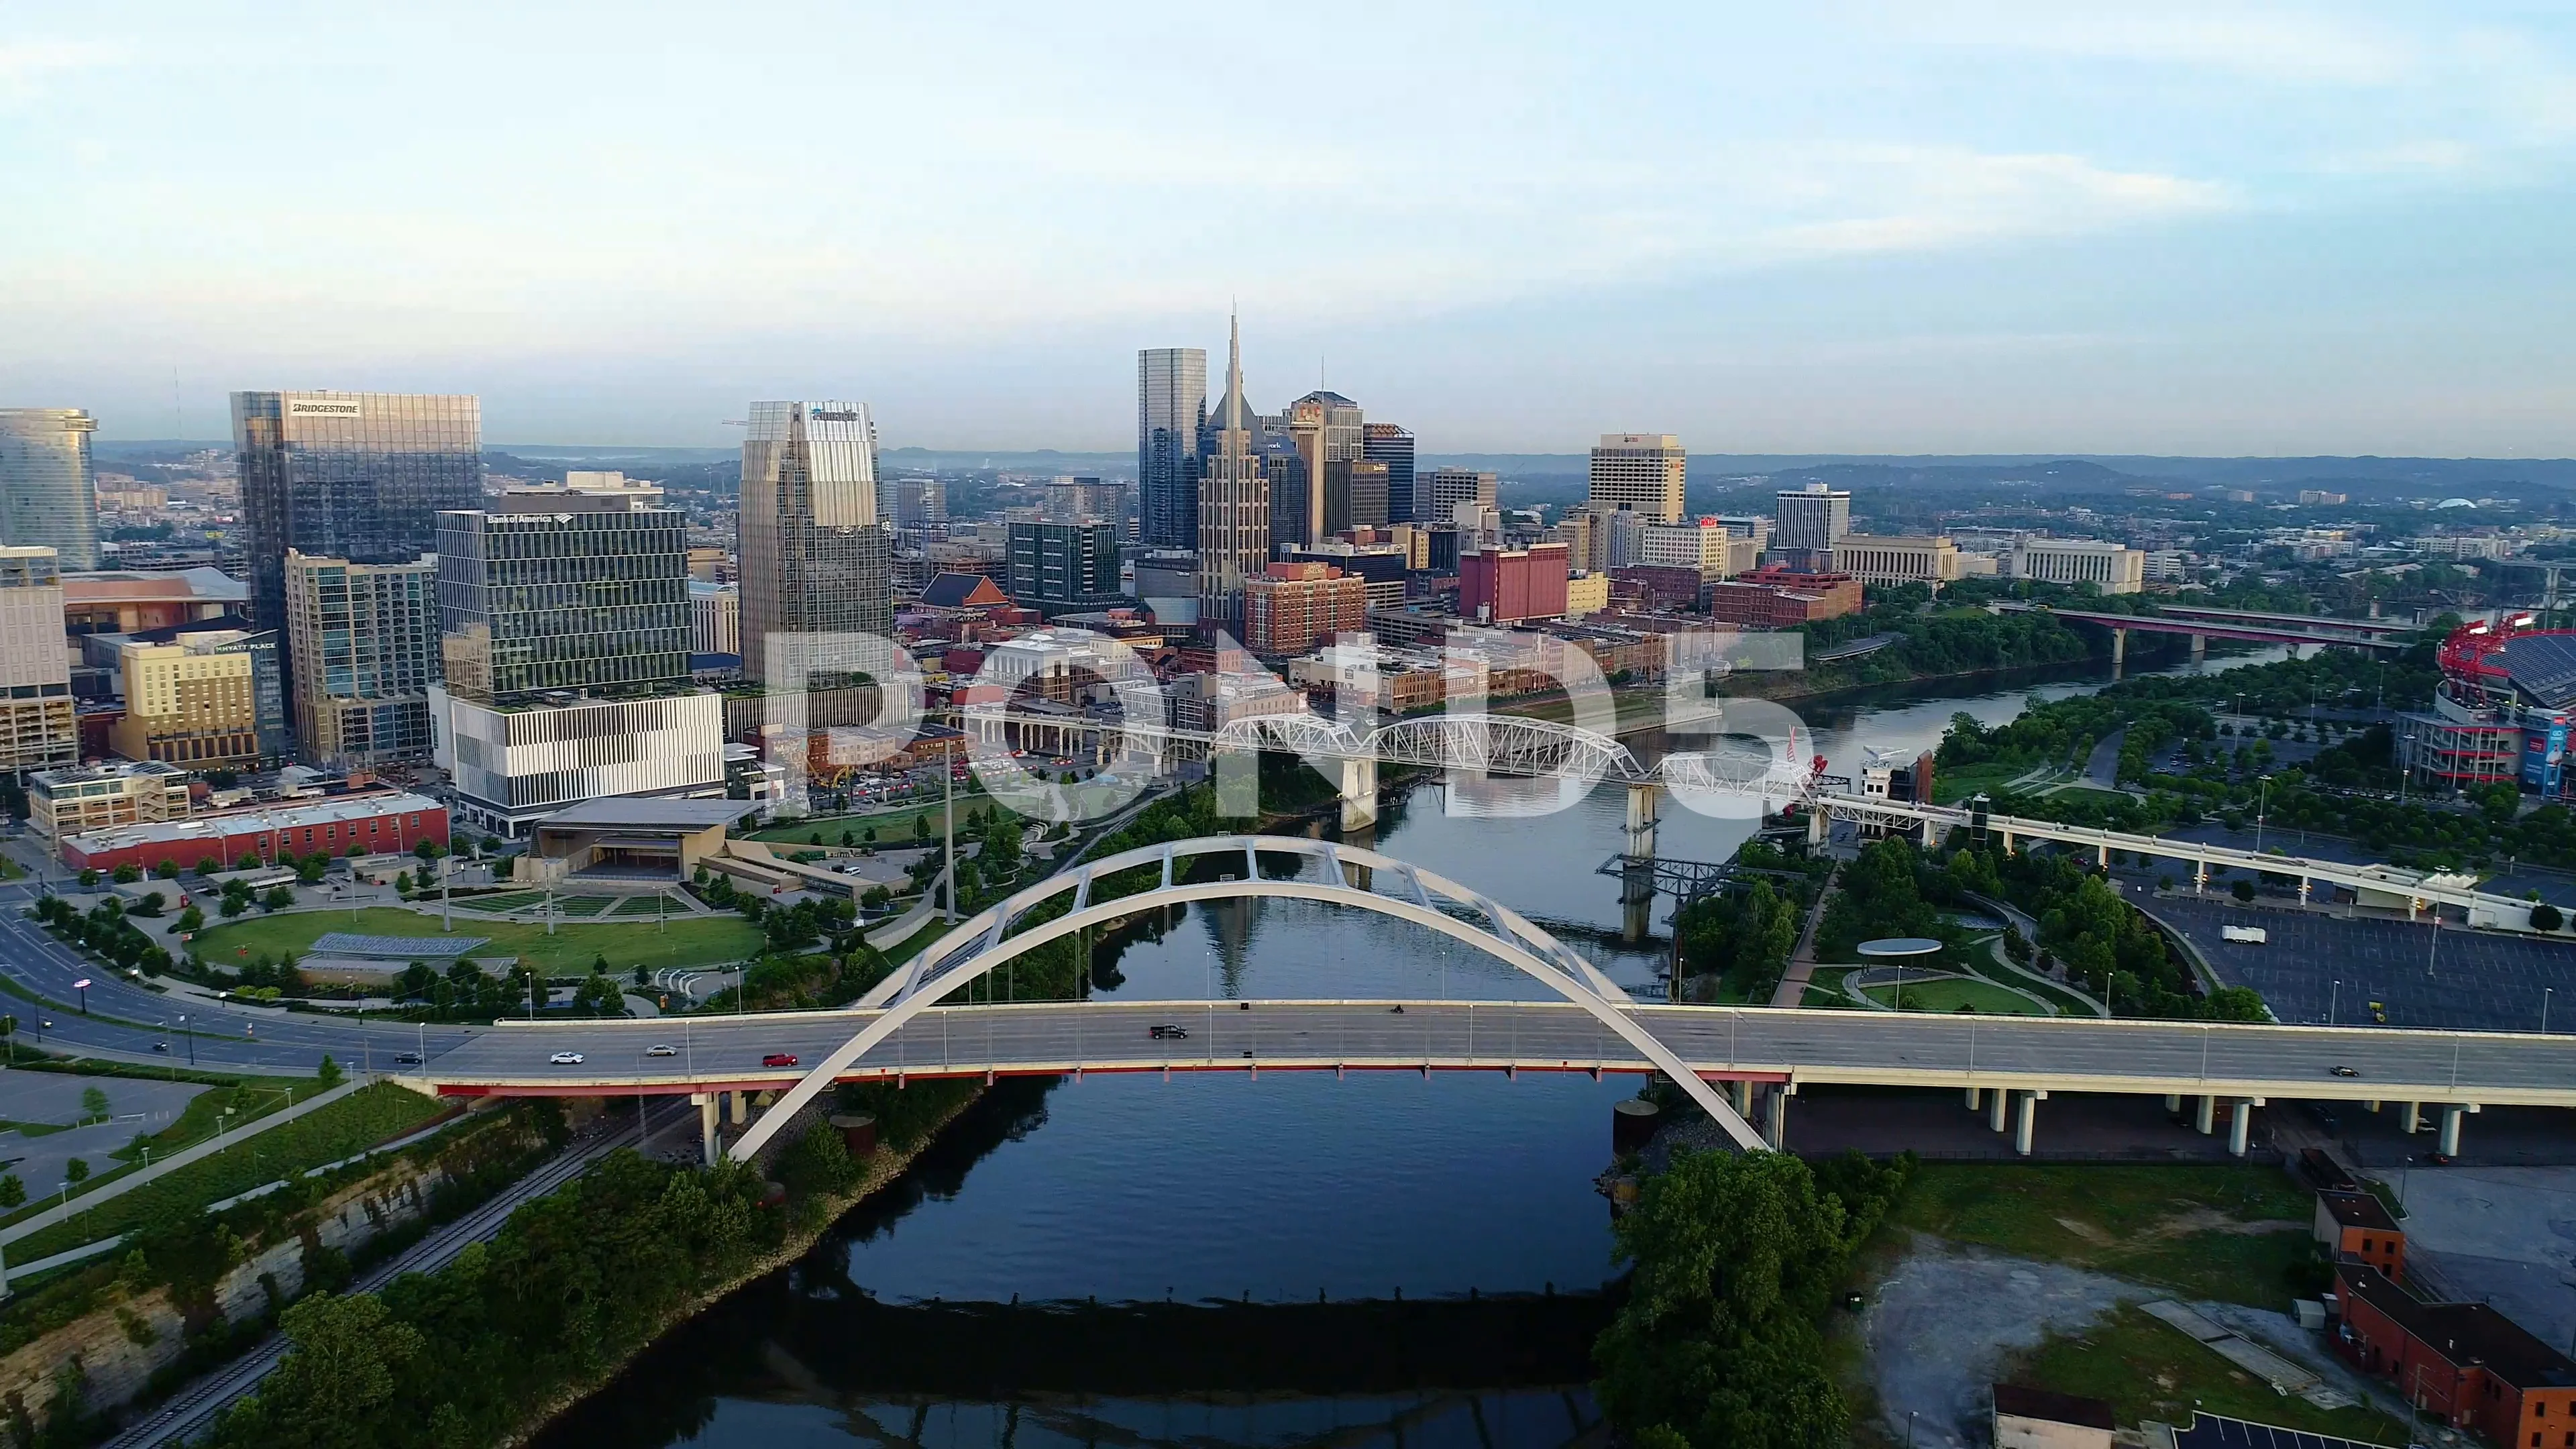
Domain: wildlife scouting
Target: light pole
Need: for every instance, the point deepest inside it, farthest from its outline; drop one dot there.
(192, 1036)
(2338, 991)
(2262, 802)
(2545, 993)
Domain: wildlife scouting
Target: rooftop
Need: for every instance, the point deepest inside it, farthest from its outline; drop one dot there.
(2024, 1402)
(2358, 1210)
(2463, 1333)
(254, 819)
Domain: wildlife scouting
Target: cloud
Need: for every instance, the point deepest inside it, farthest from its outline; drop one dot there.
(23, 63)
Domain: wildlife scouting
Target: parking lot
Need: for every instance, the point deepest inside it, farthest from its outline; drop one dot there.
(2475, 980)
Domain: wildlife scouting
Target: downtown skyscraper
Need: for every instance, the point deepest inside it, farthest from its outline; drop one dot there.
(1171, 414)
(816, 558)
(360, 476)
(1234, 502)
(48, 492)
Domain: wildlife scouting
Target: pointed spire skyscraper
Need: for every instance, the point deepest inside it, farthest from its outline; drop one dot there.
(1234, 502)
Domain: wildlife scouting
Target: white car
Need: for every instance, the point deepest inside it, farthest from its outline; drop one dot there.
(661, 1049)
(565, 1059)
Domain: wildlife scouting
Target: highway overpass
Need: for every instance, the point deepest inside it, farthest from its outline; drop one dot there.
(1755, 1052)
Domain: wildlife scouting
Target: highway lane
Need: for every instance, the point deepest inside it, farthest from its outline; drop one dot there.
(1886, 1048)
(226, 1037)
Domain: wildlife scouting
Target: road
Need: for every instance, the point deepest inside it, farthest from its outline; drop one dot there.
(195, 1409)
(1876, 1048)
(285, 1043)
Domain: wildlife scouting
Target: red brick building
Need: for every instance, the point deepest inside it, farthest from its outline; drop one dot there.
(1293, 607)
(1505, 586)
(2356, 1227)
(380, 822)
(2468, 1363)
(1657, 586)
(1775, 598)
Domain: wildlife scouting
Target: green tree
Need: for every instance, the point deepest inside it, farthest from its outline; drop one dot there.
(89, 879)
(2234, 1003)
(13, 1193)
(2545, 917)
(1719, 1344)
(2243, 890)
(128, 873)
(277, 899)
(339, 1374)
(167, 870)
(329, 1072)
(94, 1104)
(76, 1171)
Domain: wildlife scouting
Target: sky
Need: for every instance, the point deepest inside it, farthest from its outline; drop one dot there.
(1925, 227)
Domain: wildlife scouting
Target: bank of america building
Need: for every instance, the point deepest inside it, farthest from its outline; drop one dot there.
(564, 632)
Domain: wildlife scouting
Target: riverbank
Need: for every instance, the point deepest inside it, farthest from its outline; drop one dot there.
(884, 1167)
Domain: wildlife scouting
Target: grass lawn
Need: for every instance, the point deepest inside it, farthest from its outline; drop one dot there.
(2088, 793)
(1951, 995)
(1954, 783)
(2068, 1003)
(2147, 1369)
(912, 945)
(344, 1128)
(893, 827)
(696, 941)
(1825, 988)
(2183, 1227)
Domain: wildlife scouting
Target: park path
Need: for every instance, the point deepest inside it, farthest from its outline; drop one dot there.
(1802, 961)
(177, 1160)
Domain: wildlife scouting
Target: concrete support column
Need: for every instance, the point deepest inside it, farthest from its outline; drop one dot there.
(738, 1107)
(2119, 647)
(1998, 1102)
(2102, 856)
(706, 1125)
(1359, 793)
(2410, 1118)
(2199, 647)
(1931, 839)
(2027, 1123)
(2204, 1115)
(2304, 885)
(2451, 1114)
(2173, 1100)
(1775, 1128)
(1743, 1092)
(2008, 849)
(2240, 1127)
(2199, 876)
(1817, 826)
(1976, 1098)
(1639, 843)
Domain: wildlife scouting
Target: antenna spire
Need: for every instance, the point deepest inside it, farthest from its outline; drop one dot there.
(1233, 371)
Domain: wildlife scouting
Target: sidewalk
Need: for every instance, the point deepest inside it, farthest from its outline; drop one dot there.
(203, 1150)
(1802, 959)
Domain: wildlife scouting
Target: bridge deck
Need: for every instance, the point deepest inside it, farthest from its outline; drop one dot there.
(1873, 1048)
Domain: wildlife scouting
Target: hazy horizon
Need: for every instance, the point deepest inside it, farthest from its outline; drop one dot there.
(1963, 227)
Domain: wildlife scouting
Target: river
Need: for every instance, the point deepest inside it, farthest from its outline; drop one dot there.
(1214, 1261)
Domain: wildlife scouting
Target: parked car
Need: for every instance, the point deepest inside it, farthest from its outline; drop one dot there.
(779, 1059)
(565, 1059)
(661, 1049)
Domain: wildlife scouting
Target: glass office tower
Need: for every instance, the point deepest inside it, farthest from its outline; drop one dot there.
(1386, 443)
(356, 475)
(1171, 416)
(48, 492)
(816, 559)
(530, 602)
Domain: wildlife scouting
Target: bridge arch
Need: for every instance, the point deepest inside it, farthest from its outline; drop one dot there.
(980, 945)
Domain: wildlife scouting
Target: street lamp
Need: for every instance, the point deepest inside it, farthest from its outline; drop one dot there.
(2545, 993)
(2262, 802)
(2337, 991)
(191, 1036)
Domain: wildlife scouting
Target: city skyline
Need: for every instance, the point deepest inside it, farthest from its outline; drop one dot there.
(1991, 228)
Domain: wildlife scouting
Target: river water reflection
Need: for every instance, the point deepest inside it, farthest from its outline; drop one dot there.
(1219, 1189)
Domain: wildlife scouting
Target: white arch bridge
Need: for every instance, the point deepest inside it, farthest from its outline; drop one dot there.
(902, 1031)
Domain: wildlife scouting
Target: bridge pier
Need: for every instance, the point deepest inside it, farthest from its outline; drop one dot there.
(2304, 884)
(2119, 650)
(2410, 1118)
(1359, 792)
(2240, 1126)
(1998, 1103)
(2204, 1114)
(1775, 1122)
(1741, 1090)
(707, 1126)
(2199, 648)
(2451, 1114)
(1976, 1098)
(738, 1107)
(2008, 843)
(1818, 828)
(2026, 1125)
(1640, 839)
(2173, 1101)
(2199, 877)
